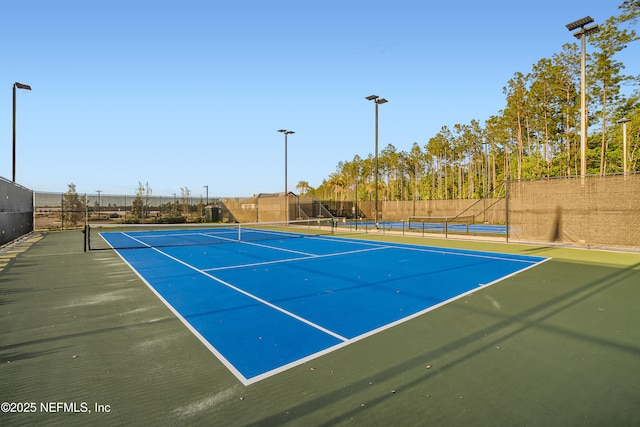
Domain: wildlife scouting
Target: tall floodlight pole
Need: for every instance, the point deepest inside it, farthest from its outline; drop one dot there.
(174, 209)
(378, 101)
(582, 36)
(286, 191)
(206, 187)
(19, 86)
(99, 202)
(623, 121)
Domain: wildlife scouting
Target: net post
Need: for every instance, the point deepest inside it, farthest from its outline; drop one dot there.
(85, 230)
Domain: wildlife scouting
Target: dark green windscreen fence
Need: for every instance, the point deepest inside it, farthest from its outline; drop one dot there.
(590, 211)
(16, 211)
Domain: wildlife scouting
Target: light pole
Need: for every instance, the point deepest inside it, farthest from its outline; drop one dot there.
(206, 187)
(624, 122)
(487, 155)
(582, 35)
(19, 86)
(99, 202)
(286, 192)
(378, 101)
(174, 210)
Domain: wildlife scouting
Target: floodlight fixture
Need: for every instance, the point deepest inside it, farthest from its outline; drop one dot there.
(579, 23)
(22, 86)
(587, 31)
(591, 30)
(372, 97)
(381, 101)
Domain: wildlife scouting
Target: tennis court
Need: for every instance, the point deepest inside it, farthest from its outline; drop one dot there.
(265, 300)
(552, 345)
(425, 226)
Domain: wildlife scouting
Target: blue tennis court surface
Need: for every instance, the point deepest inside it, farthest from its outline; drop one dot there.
(263, 307)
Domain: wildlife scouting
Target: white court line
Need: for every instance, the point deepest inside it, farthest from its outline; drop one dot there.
(254, 297)
(306, 255)
(310, 255)
(467, 253)
(259, 245)
(281, 261)
(384, 327)
(186, 323)
(344, 341)
(472, 255)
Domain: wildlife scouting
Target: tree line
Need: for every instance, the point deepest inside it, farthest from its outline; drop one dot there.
(536, 135)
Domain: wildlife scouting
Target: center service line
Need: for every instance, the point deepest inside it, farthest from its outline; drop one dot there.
(235, 288)
(282, 261)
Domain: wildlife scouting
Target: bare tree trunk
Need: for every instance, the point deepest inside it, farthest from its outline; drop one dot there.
(603, 143)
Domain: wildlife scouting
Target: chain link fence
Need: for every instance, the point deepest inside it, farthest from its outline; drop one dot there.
(71, 210)
(593, 211)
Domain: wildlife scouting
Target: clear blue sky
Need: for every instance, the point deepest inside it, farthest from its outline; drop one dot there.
(191, 93)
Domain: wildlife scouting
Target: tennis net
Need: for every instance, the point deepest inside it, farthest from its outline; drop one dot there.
(138, 236)
(442, 224)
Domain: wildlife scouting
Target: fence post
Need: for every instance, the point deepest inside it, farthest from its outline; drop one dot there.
(506, 197)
